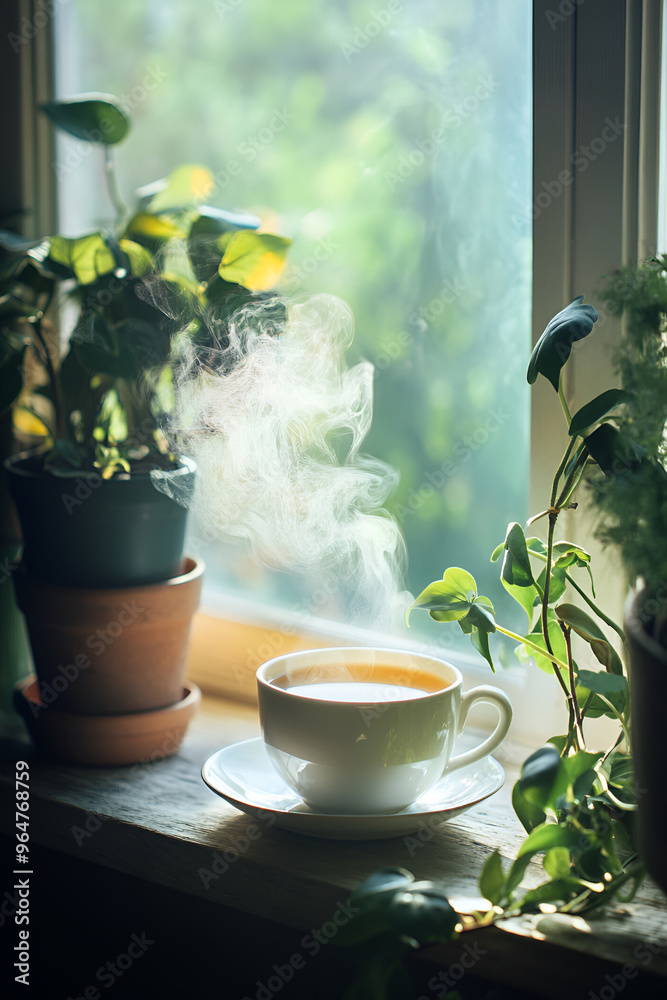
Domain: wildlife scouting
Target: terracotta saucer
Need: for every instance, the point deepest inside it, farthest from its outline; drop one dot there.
(105, 740)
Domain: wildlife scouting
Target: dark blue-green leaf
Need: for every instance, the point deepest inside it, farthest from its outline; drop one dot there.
(555, 345)
(595, 410)
(90, 117)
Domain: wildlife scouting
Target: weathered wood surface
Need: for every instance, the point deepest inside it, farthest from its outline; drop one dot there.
(159, 821)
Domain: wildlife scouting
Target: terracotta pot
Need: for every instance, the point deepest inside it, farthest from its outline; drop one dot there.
(105, 740)
(648, 678)
(105, 652)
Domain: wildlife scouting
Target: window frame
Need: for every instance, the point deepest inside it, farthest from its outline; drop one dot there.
(589, 59)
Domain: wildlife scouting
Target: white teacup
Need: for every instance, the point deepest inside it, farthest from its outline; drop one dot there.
(363, 730)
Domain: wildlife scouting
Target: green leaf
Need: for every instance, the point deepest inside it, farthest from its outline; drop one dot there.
(254, 260)
(615, 453)
(538, 776)
(566, 554)
(499, 549)
(451, 596)
(90, 117)
(140, 259)
(480, 641)
(390, 901)
(479, 616)
(154, 227)
(557, 585)
(536, 546)
(11, 379)
(601, 682)
(588, 629)
(557, 891)
(188, 185)
(383, 880)
(517, 574)
(549, 835)
(620, 770)
(596, 410)
(422, 913)
(214, 221)
(529, 814)
(557, 640)
(555, 345)
(524, 596)
(492, 879)
(516, 564)
(88, 257)
(557, 862)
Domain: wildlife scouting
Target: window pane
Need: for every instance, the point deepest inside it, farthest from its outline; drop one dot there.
(393, 143)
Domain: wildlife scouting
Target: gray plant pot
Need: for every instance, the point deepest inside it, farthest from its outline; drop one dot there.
(648, 664)
(85, 531)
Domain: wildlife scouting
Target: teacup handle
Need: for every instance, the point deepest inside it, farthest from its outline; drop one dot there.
(496, 697)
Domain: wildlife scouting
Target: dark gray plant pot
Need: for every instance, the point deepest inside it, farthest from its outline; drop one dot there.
(648, 680)
(90, 532)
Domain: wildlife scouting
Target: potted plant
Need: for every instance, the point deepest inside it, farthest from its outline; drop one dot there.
(576, 803)
(92, 329)
(630, 494)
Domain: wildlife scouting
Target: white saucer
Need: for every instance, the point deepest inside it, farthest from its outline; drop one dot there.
(244, 776)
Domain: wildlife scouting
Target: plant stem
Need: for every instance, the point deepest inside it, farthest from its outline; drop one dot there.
(573, 688)
(573, 480)
(559, 471)
(553, 517)
(608, 621)
(112, 187)
(620, 718)
(538, 649)
(563, 401)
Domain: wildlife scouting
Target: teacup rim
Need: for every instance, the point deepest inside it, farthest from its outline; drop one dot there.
(347, 650)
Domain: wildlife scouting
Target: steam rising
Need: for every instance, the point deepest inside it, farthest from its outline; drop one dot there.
(275, 425)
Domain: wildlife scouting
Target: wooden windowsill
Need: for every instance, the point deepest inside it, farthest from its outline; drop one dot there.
(159, 822)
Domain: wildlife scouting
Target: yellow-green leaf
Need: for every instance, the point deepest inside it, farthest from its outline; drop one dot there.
(254, 260)
(140, 259)
(28, 422)
(87, 256)
(154, 226)
(190, 184)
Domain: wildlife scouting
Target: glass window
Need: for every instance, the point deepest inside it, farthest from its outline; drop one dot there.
(392, 142)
